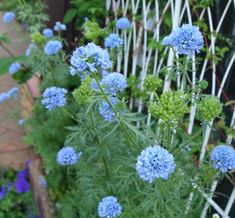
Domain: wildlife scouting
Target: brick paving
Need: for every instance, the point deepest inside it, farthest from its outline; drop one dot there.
(13, 152)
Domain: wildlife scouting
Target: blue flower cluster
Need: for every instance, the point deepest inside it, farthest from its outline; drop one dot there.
(223, 158)
(185, 40)
(155, 162)
(31, 48)
(8, 17)
(21, 183)
(47, 32)
(11, 93)
(59, 26)
(123, 23)
(67, 156)
(106, 111)
(109, 207)
(52, 47)
(114, 83)
(14, 68)
(113, 41)
(54, 97)
(89, 58)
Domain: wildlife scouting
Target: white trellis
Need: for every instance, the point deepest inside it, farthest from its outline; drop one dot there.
(136, 50)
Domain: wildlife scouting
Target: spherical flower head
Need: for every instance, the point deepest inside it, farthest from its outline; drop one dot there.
(186, 39)
(13, 92)
(106, 111)
(114, 83)
(223, 158)
(83, 94)
(89, 58)
(8, 17)
(3, 97)
(47, 32)
(170, 108)
(155, 162)
(59, 26)
(67, 156)
(54, 97)
(209, 108)
(22, 185)
(14, 67)
(21, 122)
(32, 48)
(109, 207)
(152, 83)
(52, 47)
(123, 23)
(37, 38)
(113, 41)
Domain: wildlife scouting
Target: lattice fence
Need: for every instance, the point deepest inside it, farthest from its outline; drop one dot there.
(138, 59)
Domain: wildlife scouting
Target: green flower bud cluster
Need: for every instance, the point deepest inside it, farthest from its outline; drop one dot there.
(209, 108)
(203, 84)
(92, 30)
(170, 108)
(152, 83)
(83, 94)
(37, 38)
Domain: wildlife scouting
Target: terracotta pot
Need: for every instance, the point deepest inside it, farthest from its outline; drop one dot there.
(33, 85)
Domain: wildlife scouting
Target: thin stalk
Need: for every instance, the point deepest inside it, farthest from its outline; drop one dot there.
(111, 106)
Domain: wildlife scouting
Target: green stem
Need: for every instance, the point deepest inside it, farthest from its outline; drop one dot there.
(111, 106)
(6, 49)
(70, 115)
(191, 139)
(103, 158)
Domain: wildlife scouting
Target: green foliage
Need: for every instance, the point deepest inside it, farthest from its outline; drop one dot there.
(13, 204)
(92, 31)
(85, 9)
(5, 62)
(32, 14)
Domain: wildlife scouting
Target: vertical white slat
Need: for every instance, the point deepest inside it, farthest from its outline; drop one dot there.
(175, 23)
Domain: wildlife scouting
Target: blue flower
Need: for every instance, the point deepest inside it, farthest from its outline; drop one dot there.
(32, 48)
(59, 26)
(113, 83)
(8, 17)
(223, 158)
(52, 47)
(185, 40)
(109, 207)
(154, 162)
(22, 185)
(3, 97)
(105, 111)
(123, 23)
(89, 58)
(21, 122)
(113, 41)
(3, 192)
(47, 32)
(67, 156)
(13, 92)
(14, 67)
(54, 97)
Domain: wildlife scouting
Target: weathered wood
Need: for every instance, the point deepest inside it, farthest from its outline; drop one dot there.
(41, 196)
